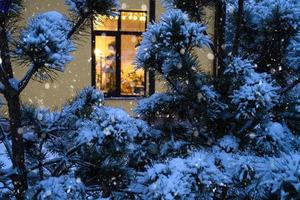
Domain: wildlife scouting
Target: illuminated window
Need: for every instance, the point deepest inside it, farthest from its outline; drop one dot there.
(115, 41)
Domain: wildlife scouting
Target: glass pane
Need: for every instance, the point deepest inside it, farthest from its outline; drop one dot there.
(106, 23)
(132, 80)
(105, 54)
(133, 21)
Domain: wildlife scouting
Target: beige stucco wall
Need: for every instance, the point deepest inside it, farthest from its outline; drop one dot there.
(78, 73)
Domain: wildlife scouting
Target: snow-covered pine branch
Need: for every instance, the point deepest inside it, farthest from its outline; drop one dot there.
(168, 44)
(85, 10)
(92, 7)
(257, 93)
(44, 44)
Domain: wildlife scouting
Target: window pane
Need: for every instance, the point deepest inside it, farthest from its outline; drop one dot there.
(133, 21)
(105, 54)
(106, 23)
(132, 80)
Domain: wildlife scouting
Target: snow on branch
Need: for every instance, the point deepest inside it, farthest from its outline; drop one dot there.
(84, 10)
(165, 44)
(102, 7)
(44, 44)
(24, 82)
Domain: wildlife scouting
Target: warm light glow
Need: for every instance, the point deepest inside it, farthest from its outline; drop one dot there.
(132, 81)
(143, 19)
(97, 52)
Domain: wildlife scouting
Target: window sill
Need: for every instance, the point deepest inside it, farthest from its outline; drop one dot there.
(124, 98)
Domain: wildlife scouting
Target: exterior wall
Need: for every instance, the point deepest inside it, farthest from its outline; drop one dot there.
(78, 73)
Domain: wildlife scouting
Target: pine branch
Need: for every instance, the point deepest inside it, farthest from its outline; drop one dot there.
(63, 160)
(77, 26)
(24, 82)
(6, 143)
(7, 174)
(33, 69)
(6, 66)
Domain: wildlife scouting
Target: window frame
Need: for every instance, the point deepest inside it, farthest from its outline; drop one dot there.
(118, 38)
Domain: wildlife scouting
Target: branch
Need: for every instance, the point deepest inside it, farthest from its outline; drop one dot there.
(43, 164)
(6, 143)
(6, 67)
(69, 153)
(294, 116)
(219, 37)
(77, 26)
(8, 173)
(24, 82)
(33, 69)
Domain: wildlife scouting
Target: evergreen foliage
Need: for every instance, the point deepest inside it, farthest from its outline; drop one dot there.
(230, 137)
(44, 42)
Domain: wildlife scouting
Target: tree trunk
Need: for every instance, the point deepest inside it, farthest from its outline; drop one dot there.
(219, 37)
(20, 179)
(239, 19)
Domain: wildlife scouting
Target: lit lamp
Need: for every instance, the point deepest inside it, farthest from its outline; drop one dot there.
(142, 18)
(97, 52)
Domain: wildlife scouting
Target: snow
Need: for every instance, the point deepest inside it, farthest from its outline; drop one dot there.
(44, 42)
(160, 49)
(253, 98)
(104, 148)
(103, 7)
(293, 57)
(229, 143)
(258, 17)
(274, 138)
(4, 157)
(155, 102)
(243, 175)
(2, 87)
(57, 188)
(14, 83)
(254, 92)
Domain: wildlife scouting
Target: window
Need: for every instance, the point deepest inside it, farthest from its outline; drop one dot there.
(115, 40)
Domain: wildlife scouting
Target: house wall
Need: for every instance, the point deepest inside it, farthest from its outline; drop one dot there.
(78, 73)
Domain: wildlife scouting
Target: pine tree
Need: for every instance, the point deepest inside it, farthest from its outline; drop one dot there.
(43, 46)
(168, 49)
(260, 80)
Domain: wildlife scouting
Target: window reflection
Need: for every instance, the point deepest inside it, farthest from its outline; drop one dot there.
(107, 23)
(133, 21)
(105, 54)
(132, 80)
